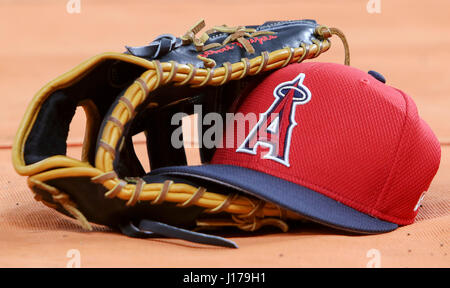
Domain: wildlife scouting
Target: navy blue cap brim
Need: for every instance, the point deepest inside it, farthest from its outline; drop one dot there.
(306, 202)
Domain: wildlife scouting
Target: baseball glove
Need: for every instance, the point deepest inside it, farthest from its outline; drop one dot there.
(124, 94)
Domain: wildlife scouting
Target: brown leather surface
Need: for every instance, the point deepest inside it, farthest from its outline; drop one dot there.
(406, 43)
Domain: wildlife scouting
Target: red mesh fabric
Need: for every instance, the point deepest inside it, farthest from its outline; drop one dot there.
(353, 136)
(416, 163)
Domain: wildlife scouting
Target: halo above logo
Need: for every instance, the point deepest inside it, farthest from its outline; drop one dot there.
(275, 126)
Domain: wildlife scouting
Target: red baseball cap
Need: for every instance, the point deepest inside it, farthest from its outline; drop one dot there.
(332, 143)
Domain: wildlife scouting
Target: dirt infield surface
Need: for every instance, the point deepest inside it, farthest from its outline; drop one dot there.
(39, 40)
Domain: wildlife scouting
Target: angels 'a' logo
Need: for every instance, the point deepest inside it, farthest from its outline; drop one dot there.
(274, 128)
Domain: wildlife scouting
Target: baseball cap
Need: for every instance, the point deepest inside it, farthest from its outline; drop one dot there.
(332, 143)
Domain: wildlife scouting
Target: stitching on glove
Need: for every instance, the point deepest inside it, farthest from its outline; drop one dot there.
(264, 61)
(116, 190)
(143, 86)
(104, 177)
(224, 205)
(116, 123)
(319, 44)
(305, 52)
(192, 72)
(209, 76)
(228, 69)
(194, 198)
(127, 104)
(289, 59)
(111, 150)
(163, 193)
(136, 192)
(246, 64)
(172, 73)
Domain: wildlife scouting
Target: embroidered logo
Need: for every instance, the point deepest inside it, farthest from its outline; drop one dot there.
(275, 126)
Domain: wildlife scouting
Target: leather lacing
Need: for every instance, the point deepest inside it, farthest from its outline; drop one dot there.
(251, 221)
(326, 32)
(240, 33)
(235, 34)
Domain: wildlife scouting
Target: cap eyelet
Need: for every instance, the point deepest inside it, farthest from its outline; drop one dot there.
(365, 81)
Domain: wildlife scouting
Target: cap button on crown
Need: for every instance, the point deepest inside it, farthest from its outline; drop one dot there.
(377, 76)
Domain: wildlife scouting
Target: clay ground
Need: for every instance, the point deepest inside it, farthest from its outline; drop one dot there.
(39, 40)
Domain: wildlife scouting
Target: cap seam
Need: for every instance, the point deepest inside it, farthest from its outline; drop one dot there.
(397, 154)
